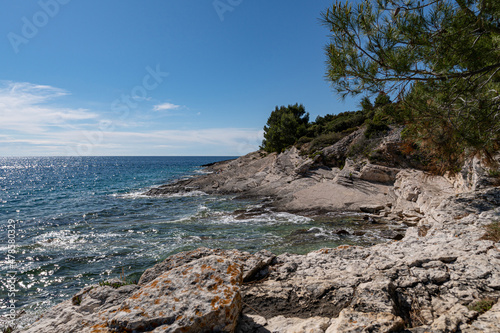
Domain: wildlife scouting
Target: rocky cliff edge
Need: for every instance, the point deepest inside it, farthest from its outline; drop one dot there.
(441, 277)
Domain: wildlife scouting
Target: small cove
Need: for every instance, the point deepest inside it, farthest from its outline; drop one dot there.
(82, 220)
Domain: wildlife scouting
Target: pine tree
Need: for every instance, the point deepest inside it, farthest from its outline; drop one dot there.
(440, 57)
(284, 127)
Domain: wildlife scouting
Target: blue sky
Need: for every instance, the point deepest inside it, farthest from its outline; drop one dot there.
(156, 77)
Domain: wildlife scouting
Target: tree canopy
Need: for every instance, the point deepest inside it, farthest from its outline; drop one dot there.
(284, 127)
(441, 58)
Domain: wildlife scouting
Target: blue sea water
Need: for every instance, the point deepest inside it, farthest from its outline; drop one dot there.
(76, 221)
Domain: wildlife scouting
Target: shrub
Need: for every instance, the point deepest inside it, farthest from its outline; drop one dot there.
(325, 140)
(483, 305)
(492, 232)
(338, 123)
(303, 140)
(375, 128)
(494, 173)
(116, 285)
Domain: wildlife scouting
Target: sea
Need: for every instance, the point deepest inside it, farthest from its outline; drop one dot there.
(69, 222)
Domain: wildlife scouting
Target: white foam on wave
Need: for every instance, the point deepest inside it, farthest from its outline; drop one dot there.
(185, 194)
(269, 218)
(322, 232)
(12, 167)
(142, 194)
(203, 172)
(131, 195)
(69, 239)
(293, 218)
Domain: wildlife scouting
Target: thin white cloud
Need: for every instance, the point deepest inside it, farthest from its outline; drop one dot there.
(25, 107)
(165, 107)
(227, 141)
(32, 123)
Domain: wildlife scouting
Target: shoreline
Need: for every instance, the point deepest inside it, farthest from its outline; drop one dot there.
(429, 280)
(292, 183)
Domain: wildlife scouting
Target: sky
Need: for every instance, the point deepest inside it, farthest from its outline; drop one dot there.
(156, 77)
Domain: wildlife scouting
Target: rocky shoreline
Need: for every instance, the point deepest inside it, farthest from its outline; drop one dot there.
(428, 281)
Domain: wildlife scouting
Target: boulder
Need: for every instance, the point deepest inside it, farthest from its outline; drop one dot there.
(203, 295)
(372, 209)
(353, 321)
(195, 295)
(378, 173)
(253, 265)
(79, 314)
(282, 324)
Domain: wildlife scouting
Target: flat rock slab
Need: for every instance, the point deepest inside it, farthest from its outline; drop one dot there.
(352, 322)
(252, 263)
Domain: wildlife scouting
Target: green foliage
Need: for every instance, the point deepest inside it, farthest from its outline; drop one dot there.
(441, 58)
(303, 140)
(114, 285)
(375, 128)
(117, 284)
(494, 173)
(483, 305)
(366, 104)
(363, 147)
(284, 126)
(325, 140)
(492, 232)
(343, 121)
(450, 127)
(382, 100)
(288, 126)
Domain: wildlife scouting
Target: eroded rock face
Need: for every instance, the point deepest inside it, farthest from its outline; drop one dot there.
(297, 182)
(354, 321)
(378, 173)
(423, 282)
(252, 264)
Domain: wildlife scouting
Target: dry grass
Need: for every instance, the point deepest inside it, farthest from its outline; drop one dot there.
(492, 232)
(483, 305)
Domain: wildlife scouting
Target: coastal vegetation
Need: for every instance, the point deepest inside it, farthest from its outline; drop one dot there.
(437, 60)
(483, 305)
(288, 126)
(492, 232)
(284, 127)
